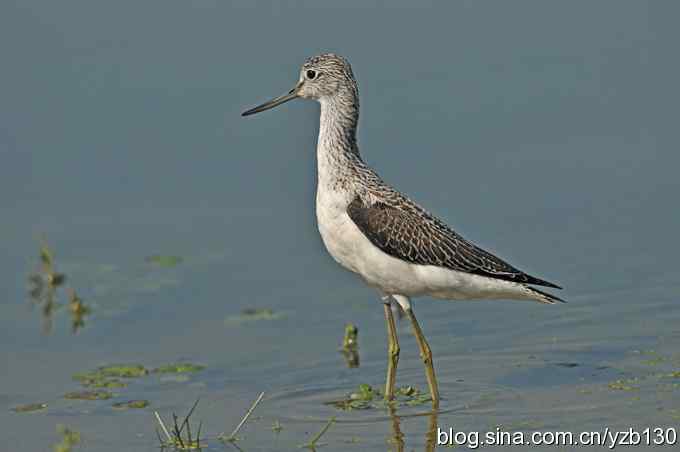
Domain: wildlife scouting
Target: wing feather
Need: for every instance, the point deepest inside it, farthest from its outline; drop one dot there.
(403, 230)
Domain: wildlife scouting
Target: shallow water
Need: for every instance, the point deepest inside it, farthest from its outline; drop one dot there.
(547, 134)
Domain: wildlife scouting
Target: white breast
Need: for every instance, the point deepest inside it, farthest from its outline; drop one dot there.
(351, 249)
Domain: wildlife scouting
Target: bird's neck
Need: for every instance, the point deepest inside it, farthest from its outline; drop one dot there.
(337, 144)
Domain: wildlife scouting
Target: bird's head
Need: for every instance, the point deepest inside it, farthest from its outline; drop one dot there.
(323, 77)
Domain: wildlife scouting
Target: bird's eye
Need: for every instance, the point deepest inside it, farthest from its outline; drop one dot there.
(311, 74)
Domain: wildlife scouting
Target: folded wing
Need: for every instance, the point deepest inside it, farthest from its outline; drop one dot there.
(405, 231)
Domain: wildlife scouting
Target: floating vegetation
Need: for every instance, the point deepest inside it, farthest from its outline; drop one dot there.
(654, 361)
(109, 376)
(232, 438)
(101, 383)
(88, 395)
(69, 439)
(314, 443)
(178, 368)
(123, 371)
(350, 345)
(181, 437)
(116, 376)
(43, 287)
(29, 408)
(253, 315)
(131, 404)
(105, 377)
(624, 385)
(367, 397)
(277, 427)
(164, 261)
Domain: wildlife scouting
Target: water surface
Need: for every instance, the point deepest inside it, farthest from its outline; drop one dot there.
(544, 132)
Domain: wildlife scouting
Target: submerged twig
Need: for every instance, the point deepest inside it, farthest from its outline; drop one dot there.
(232, 437)
(313, 443)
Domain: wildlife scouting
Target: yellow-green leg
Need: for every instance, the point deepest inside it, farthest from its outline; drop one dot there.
(426, 355)
(392, 352)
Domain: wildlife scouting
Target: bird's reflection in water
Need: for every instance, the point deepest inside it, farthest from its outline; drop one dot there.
(396, 440)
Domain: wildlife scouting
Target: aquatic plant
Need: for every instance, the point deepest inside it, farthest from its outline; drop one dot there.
(131, 404)
(69, 439)
(624, 385)
(178, 368)
(314, 442)
(367, 397)
(43, 286)
(29, 407)
(78, 311)
(350, 346)
(181, 437)
(350, 340)
(110, 376)
(232, 438)
(88, 395)
(277, 427)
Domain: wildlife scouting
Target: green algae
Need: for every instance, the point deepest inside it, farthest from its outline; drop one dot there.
(29, 408)
(117, 375)
(109, 377)
(88, 395)
(97, 380)
(368, 397)
(123, 371)
(623, 385)
(69, 439)
(178, 368)
(164, 261)
(131, 404)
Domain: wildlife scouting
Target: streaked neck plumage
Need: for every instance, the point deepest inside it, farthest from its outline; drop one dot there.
(337, 144)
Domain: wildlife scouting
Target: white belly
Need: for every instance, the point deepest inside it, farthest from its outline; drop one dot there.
(351, 249)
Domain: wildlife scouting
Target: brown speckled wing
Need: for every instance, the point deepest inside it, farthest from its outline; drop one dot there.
(405, 231)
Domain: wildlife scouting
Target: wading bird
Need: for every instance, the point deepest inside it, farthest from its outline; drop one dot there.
(375, 231)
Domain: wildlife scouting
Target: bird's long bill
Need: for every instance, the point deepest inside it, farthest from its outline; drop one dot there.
(272, 103)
